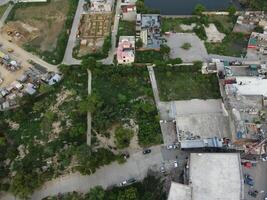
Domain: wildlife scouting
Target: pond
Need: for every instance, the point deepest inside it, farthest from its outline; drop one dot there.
(185, 7)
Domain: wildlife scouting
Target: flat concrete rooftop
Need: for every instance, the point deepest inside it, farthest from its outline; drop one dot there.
(215, 176)
(179, 192)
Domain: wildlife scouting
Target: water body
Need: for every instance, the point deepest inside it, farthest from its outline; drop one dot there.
(186, 7)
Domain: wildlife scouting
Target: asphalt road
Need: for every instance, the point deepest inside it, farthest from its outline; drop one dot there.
(136, 167)
(68, 59)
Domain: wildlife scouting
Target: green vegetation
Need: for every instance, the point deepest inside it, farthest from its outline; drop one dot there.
(56, 55)
(234, 44)
(41, 138)
(254, 4)
(186, 46)
(199, 9)
(186, 82)
(3, 9)
(125, 93)
(126, 28)
(149, 56)
(123, 137)
(151, 188)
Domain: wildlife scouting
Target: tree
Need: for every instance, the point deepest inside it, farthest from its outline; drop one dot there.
(128, 194)
(139, 43)
(186, 46)
(258, 29)
(165, 50)
(88, 63)
(91, 103)
(231, 10)
(123, 137)
(96, 193)
(199, 9)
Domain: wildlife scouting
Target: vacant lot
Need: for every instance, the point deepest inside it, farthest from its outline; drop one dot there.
(41, 27)
(185, 82)
(126, 28)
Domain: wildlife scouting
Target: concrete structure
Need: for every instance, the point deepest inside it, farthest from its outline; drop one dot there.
(209, 143)
(126, 50)
(31, 1)
(101, 5)
(211, 176)
(180, 192)
(257, 46)
(148, 30)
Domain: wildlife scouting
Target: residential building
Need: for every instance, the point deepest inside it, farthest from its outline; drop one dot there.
(126, 50)
(210, 176)
(148, 30)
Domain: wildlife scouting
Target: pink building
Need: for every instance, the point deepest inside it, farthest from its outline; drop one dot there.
(126, 50)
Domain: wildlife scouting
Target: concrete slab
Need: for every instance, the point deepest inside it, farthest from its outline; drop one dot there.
(196, 52)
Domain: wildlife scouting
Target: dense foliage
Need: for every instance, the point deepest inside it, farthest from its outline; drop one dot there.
(125, 93)
(41, 138)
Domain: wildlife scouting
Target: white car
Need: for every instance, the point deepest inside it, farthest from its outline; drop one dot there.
(169, 147)
(123, 183)
(175, 164)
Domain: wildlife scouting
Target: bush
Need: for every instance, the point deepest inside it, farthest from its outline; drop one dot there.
(123, 137)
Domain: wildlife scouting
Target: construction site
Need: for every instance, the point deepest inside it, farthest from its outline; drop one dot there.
(93, 30)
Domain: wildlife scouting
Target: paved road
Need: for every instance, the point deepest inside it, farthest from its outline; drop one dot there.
(5, 15)
(136, 166)
(68, 59)
(89, 116)
(154, 84)
(112, 51)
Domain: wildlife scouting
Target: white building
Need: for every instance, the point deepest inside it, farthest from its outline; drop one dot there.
(126, 50)
(211, 176)
(101, 5)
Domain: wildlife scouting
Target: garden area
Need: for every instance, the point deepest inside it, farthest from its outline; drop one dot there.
(126, 28)
(46, 136)
(123, 95)
(186, 82)
(151, 188)
(43, 27)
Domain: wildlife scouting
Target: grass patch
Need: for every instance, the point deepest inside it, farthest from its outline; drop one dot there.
(125, 93)
(3, 9)
(234, 44)
(186, 82)
(149, 56)
(126, 28)
(186, 46)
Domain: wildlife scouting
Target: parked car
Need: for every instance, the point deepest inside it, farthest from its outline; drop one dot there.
(131, 180)
(162, 169)
(147, 151)
(248, 180)
(123, 183)
(175, 164)
(169, 147)
(253, 193)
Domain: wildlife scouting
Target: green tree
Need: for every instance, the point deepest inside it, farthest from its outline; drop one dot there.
(128, 194)
(123, 137)
(139, 43)
(231, 10)
(88, 63)
(96, 193)
(186, 46)
(199, 9)
(91, 103)
(165, 50)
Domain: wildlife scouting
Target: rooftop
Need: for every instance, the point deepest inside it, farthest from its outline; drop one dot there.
(215, 176)
(179, 192)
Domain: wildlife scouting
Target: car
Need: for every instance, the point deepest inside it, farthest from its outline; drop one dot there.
(162, 169)
(131, 180)
(169, 147)
(147, 151)
(123, 183)
(175, 164)
(253, 193)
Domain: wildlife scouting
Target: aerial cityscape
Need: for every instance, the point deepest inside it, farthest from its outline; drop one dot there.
(133, 99)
